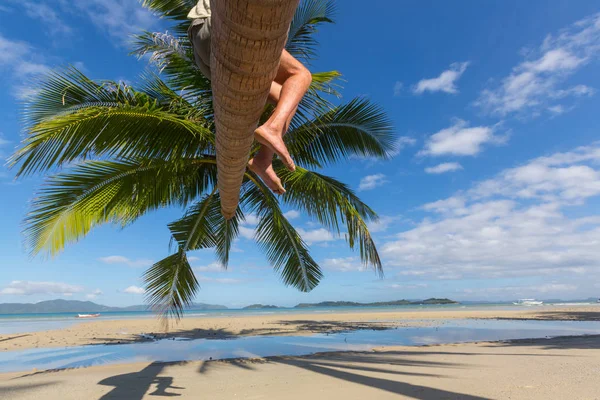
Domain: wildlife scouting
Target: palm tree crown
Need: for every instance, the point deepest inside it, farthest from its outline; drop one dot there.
(113, 152)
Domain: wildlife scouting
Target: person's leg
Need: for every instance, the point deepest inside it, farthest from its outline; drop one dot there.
(262, 163)
(295, 80)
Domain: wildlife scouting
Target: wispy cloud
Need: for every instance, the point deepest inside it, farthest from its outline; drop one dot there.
(94, 294)
(371, 182)
(462, 140)
(316, 236)
(292, 214)
(27, 288)
(538, 83)
(21, 62)
(444, 168)
(48, 16)
(524, 222)
(347, 264)
(134, 290)
(117, 18)
(446, 82)
(398, 87)
(126, 261)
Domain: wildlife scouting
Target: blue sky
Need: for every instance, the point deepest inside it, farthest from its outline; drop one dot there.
(493, 194)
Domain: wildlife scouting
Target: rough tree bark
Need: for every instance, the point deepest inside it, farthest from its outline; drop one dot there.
(248, 37)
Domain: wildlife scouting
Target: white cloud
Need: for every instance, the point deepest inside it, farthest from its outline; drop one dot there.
(117, 18)
(525, 222)
(316, 236)
(446, 82)
(461, 140)
(538, 83)
(443, 168)
(344, 264)
(94, 294)
(134, 290)
(398, 86)
(292, 214)
(27, 288)
(48, 15)
(214, 267)
(251, 219)
(22, 62)
(126, 261)
(382, 224)
(371, 182)
(246, 232)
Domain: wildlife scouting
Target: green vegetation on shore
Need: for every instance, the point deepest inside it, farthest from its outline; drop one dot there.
(259, 307)
(377, 304)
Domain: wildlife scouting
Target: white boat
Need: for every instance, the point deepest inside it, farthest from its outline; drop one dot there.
(528, 302)
(88, 315)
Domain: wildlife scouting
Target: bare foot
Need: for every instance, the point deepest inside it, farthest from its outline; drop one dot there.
(268, 176)
(270, 138)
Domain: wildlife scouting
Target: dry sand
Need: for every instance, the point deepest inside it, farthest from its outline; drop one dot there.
(563, 368)
(128, 331)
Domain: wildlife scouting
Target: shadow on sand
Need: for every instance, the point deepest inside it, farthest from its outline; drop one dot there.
(352, 367)
(134, 386)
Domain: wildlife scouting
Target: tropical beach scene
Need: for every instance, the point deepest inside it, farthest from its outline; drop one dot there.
(292, 199)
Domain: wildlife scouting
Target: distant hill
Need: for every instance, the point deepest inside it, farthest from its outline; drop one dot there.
(258, 307)
(76, 306)
(378, 304)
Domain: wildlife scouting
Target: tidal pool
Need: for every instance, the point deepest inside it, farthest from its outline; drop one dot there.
(455, 331)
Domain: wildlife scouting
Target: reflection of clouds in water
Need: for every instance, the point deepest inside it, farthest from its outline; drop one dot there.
(264, 346)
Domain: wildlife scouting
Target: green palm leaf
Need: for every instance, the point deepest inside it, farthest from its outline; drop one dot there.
(281, 243)
(332, 204)
(171, 285)
(98, 192)
(123, 132)
(310, 13)
(358, 128)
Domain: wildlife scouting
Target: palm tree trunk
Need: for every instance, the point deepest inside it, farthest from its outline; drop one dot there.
(248, 37)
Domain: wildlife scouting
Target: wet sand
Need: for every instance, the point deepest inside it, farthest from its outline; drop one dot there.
(136, 330)
(561, 368)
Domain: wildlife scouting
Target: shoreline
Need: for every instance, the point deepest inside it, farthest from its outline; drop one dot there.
(561, 367)
(219, 327)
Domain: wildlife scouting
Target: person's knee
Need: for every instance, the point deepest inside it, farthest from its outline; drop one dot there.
(302, 72)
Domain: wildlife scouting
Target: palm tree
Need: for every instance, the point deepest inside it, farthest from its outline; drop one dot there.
(112, 153)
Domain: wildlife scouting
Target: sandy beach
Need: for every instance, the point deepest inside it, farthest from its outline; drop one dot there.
(136, 330)
(561, 368)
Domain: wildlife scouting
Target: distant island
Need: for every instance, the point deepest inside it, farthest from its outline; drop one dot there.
(377, 304)
(76, 306)
(259, 307)
(87, 307)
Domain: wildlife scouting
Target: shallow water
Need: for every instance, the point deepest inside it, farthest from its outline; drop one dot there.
(204, 349)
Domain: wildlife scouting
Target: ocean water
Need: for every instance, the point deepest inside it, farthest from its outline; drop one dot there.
(454, 331)
(20, 323)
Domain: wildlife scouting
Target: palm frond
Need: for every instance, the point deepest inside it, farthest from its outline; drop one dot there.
(123, 132)
(174, 10)
(171, 285)
(98, 192)
(310, 13)
(332, 204)
(358, 128)
(281, 243)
